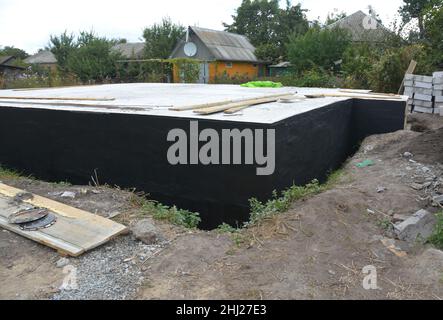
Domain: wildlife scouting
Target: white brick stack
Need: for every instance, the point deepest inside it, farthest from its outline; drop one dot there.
(438, 92)
(423, 91)
(409, 89)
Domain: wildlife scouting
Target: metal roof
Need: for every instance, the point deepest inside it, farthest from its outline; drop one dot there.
(7, 62)
(131, 49)
(361, 27)
(44, 57)
(226, 46)
(284, 64)
(4, 60)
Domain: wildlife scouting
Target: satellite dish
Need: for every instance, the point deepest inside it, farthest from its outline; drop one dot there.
(190, 49)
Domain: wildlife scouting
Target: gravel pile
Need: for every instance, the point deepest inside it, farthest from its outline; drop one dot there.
(113, 271)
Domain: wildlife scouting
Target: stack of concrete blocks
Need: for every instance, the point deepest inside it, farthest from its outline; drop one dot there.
(438, 92)
(423, 91)
(409, 90)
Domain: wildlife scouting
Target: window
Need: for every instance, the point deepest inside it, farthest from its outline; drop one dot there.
(228, 64)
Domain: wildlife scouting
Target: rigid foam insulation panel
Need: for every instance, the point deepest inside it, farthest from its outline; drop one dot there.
(128, 148)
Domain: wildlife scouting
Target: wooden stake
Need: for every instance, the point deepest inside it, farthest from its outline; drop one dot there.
(410, 70)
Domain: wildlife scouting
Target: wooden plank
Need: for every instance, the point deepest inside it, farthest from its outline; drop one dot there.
(355, 91)
(55, 98)
(45, 239)
(240, 105)
(409, 71)
(357, 96)
(75, 231)
(224, 102)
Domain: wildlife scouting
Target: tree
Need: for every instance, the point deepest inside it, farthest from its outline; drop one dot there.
(318, 48)
(92, 58)
(267, 26)
(433, 24)
(161, 38)
(334, 17)
(416, 9)
(12, 51)
(62, 46)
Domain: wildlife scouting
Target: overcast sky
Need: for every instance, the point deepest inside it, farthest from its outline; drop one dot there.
(27, 24)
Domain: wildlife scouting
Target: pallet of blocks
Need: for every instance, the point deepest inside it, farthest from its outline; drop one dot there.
(423, 93)
(438, 92)
(409, 90)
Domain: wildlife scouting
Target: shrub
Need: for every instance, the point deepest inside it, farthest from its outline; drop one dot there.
(437, 237)
(318, 48)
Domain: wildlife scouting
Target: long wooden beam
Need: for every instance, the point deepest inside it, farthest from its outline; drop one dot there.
(224, 102)
(237, 106)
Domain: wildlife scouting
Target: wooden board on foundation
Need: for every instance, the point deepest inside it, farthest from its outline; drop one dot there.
(75, 232)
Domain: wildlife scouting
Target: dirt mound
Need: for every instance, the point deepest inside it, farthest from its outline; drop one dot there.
(427, 147)
(421, 122)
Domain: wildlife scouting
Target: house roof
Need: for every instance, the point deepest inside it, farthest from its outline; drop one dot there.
(5, 59)
(8, 62)
(284, 64)
(362, 27)
(226, 46)
(131, 49)
(43, 57)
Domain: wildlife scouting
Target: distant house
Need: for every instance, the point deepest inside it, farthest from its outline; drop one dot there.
(44, 58)
(363, 28)
(8, 68)
(132, 50)
(279, 69)
(222, 54)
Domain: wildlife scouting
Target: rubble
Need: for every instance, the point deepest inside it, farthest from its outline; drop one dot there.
(418, 227)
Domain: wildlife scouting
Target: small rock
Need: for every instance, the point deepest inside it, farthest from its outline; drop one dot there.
(400, 217)
(381, 189)
(62, 262)
(146, 232)
(425, 169)
(23, 196)
(417, 227)
(68, 194)
(417, 186)
(436, 200)
(408, 155)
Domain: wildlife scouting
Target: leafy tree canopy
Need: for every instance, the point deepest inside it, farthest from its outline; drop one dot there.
(318, 48)
(12, 51)
(267, 26)
(161, 38)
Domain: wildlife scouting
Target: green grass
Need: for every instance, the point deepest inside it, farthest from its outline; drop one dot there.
(282, 202)
(437, 236)
(158, 211)
(7, 173)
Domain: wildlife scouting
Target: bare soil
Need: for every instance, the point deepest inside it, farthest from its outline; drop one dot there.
(315, 250)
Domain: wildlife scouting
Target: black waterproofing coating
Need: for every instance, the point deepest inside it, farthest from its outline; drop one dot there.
(130, 151)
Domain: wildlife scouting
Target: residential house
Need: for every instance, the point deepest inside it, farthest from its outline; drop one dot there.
(363, 28)
(130, 50)
(8, 69)
(222, 55)
(44, 58)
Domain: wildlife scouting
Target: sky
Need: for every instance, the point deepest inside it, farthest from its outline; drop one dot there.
(27, 24)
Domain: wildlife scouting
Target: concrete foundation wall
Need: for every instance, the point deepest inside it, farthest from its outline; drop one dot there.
(130, 150)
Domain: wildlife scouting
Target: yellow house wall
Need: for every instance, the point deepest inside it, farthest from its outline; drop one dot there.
(219, 69)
